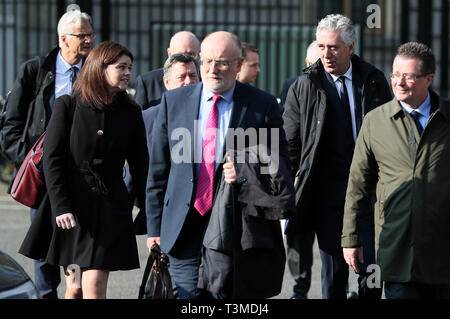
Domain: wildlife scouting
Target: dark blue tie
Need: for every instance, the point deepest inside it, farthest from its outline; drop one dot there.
(415, 115)
(73, 76)
(343, 94)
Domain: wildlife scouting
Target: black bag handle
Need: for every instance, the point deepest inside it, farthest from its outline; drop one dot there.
(152, 256)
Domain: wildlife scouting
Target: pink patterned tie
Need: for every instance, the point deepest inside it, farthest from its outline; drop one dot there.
(204, 197)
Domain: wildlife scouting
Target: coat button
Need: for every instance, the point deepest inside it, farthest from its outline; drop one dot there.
(192, 180)
(94, 189)
(188, 205)
(100, 132)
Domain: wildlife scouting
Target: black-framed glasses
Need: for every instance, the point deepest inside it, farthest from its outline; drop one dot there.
(409, 77)
(83, 36)
(221, 65)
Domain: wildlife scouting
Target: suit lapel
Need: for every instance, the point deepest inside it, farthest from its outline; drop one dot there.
(189, 113)
(239, 107)
(357, 88)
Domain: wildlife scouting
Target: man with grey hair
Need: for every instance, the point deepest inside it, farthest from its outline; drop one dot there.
(323, 113)
(402, 155)
(312, 55)
(150, 85)
(179, 70)
(38, 83)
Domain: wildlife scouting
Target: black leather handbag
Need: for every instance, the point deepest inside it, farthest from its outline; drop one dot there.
(156, 282)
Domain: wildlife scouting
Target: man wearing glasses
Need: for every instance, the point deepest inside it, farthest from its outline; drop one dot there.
(180, 194)
(402, 154)
(38, 83)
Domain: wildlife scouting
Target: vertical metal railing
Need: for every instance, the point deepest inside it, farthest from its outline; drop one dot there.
(281, 29)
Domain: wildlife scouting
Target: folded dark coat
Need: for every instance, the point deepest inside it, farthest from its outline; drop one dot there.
(243, 254)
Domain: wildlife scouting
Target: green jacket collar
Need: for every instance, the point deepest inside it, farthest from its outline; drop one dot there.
(437, 105)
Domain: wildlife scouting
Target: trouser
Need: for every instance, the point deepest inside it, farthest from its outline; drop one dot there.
(410, 290)
(335, 270)
(46, 277)
(185, 258)
(300, 259)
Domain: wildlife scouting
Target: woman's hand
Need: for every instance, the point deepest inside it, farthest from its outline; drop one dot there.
(66, 221)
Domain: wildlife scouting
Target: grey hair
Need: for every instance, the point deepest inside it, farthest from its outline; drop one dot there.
(72, 17)
(312, 52)
(419, 51)
(182, 58)
(338, 22)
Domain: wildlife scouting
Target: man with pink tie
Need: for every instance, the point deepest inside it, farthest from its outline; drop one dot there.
(180, 185)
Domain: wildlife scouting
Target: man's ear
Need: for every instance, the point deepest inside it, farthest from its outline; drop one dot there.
(166, 82)
(63, 39)
(429, 78)
(169, 52)
(239, 64)
(352, 48)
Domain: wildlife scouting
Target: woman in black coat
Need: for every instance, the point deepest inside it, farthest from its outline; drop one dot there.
(88, 139)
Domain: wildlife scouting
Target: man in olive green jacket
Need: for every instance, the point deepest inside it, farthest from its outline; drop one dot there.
(403, 153)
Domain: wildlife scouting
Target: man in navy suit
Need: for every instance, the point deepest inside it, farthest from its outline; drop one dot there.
(179, 197)
(179, 70)
(150, 85)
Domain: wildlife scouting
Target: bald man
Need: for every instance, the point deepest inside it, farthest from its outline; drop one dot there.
(150, 85)
(179, 193)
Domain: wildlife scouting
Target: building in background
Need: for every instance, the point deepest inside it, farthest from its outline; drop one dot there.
(281, 29)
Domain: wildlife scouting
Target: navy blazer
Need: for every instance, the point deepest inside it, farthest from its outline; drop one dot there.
(149, 88)
(170, 192)
(149, 117)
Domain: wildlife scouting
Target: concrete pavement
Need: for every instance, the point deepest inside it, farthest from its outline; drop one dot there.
(14, 223)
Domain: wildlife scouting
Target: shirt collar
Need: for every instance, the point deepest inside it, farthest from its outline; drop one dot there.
(63, 65)
(227, 96)
(347, 74)
(424, 108)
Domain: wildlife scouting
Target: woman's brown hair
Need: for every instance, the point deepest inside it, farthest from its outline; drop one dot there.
(91, 83)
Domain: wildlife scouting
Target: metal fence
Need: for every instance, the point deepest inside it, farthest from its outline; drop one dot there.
(282, 29)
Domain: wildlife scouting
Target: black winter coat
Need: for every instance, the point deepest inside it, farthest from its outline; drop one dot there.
(305, 112)
(86, 178)
(28, 104)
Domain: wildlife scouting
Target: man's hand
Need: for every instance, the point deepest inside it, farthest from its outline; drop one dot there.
(66, 221)
(151, 241)
(350, 256)
(229, 171)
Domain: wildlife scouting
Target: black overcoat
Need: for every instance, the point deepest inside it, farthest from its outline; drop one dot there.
(86, 179)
